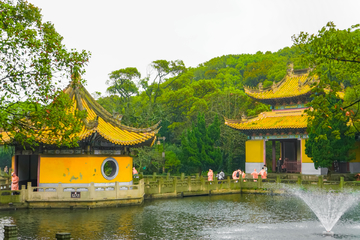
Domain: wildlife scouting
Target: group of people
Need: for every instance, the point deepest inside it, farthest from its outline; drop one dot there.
(219, 176)
(237, 173)
(262, 173)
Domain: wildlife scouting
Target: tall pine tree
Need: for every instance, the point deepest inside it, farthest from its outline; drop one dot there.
(199, 146)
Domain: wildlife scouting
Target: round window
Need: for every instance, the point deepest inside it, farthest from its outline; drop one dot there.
(109, 168)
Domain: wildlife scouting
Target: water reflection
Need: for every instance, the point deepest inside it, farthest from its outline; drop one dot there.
(209, 217)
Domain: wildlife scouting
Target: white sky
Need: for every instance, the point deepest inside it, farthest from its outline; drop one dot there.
(134, 33)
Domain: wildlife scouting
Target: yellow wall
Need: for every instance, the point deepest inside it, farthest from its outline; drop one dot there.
(305, 158)
(81, 169)
(254, 151)
(12, 164)
(357, 152)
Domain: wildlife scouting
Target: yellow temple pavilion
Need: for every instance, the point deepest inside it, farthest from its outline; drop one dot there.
(102, 141)
(286, 123)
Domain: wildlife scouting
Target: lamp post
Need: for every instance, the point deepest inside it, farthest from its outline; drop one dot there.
(163, 153)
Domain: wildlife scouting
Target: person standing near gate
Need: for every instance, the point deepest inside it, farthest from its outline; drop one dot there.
(14, 182)
(279, 165)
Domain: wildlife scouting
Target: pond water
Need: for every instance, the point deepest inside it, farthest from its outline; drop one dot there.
(236, 216)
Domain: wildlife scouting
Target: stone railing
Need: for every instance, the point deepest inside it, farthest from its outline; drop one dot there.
(159, 187)
(73, 194)
(156, 187)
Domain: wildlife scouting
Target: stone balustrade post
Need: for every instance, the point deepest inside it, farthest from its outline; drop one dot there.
(160, 183)
(189, 183)
(197, 176)
(240, 181)
(341, 183)
(175, 184)
(117, 189)
(229, 182)
(216, 184)
(141, 188)
(154, 176)
(182, 176)
(278, 180)
(10, 232)
(168, 176)
(59, 191)
(92, 191)
(63, 236)
(299, 181)
(320, 181)
(23, 193)
(202, 180)
(29, 191)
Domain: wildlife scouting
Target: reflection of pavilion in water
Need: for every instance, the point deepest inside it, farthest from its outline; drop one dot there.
(286, 124)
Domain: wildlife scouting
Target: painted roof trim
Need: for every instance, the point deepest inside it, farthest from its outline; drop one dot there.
(282, 119)
(291, 86)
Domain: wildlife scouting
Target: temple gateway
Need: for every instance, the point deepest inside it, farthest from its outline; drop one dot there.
(286, 123)
(101, 158)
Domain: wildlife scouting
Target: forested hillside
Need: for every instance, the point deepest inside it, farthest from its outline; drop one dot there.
(184, 97)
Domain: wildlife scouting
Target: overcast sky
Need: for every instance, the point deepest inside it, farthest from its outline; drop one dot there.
(122, 34)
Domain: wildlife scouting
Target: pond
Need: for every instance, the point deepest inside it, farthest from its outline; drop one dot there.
(236, 216)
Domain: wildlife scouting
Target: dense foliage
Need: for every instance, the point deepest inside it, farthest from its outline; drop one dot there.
(33, 63)
(198, 145)
(6, 153)
(335, 55)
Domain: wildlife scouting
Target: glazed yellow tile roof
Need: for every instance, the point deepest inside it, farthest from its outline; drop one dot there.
(289, 87)
(112, 131)
(272, 120)
(5, 137)
(98, 121)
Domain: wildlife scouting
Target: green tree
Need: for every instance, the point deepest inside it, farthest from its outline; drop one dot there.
(199, 151)
(330, 138)
(122, 83)
(6, 153)
(162, 69)
(33, 62)
(334, 54)
(257, 72)
(148, 159)
(172, 162)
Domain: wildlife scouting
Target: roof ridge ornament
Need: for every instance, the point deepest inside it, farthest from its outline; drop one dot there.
(243, 117)
(117, 116)
(290, 70)
(274, 87)
(300, 84)
(88, 124)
